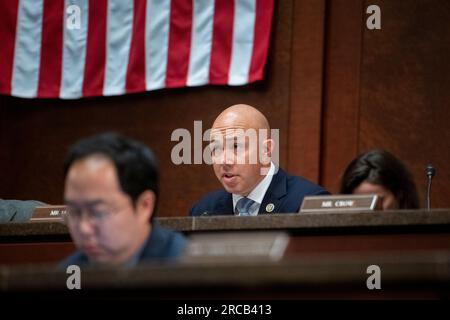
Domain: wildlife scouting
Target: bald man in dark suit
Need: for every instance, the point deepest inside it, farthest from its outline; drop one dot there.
(242, 148)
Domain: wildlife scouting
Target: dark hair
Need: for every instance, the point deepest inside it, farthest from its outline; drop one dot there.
(136, 165)
(382, 168)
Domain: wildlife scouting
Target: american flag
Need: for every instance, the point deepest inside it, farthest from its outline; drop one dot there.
(79, 48)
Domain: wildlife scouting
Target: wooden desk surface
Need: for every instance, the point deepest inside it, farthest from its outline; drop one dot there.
(311, 221)
(403, 275)
(324, 222)
(309, 233)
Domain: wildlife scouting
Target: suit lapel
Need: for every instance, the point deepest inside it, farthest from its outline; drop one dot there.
(225, 205)
(274, 195)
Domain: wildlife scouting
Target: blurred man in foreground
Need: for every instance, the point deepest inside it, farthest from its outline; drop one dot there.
(111, 191)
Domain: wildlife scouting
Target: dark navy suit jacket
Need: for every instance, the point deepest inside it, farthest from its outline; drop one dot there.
(162, 244)
(285, 192)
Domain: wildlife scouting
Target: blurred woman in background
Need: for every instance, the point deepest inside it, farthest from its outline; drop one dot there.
(379, 172)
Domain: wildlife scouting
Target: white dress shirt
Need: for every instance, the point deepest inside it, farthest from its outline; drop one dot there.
(258, 193)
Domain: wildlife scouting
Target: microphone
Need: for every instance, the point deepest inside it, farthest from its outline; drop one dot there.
(430, 174)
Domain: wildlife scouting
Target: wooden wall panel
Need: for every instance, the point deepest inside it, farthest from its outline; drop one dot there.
(332, 87)
(35, 134)
(305, 118)
(341, 88)
(405, 89)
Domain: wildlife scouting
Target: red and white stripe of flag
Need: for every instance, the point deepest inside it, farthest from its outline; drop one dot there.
(125, 46)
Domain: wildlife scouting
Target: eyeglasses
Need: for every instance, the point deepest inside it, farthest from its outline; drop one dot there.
(92, 215)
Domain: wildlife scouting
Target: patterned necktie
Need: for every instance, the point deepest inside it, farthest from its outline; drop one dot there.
(243, 206)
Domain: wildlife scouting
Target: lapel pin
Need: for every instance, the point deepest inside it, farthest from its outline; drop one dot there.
(270, 207)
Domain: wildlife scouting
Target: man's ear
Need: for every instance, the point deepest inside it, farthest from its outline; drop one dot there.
(268, 147)
(145, 205)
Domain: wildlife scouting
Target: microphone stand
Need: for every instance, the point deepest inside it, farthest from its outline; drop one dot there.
(430, 174)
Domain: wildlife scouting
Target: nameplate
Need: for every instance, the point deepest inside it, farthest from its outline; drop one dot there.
(350, 202)
(48, 213)
(230, 246)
